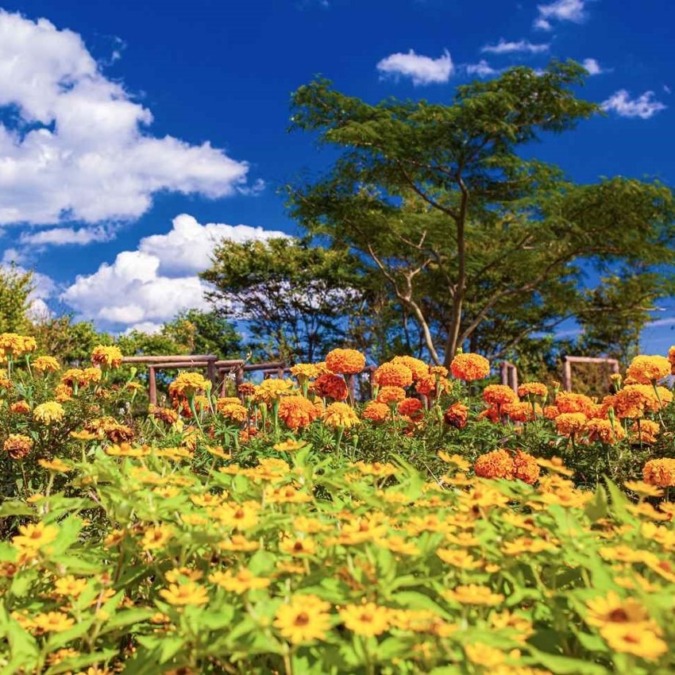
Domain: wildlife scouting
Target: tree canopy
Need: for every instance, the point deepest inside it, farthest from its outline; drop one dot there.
(480, 244)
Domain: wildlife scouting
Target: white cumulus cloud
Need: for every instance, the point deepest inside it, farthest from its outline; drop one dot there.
(593, 67)
(64, 236)
(74, 145)
(152, 284)
(521, 46)
(644, 106)
(560, 10)
(420, 69)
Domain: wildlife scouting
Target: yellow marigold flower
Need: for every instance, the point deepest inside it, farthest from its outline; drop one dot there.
(69, 586)
(556, 465)
(473, 594)
(286, 494)
(533, 389)
(393, 375)
(188, 593)
(240, 582)
(305, 371)
(43, 364)
(297, 412)
(635, 639)
(34, 537)
(48, 413)
(235, 412)
(367, 619)
(16, 345)
(345, 361)
(156, 537)
(390, 395)
(570, 424)
(648, 369)
(664, 568)
(297, 547)
(457, 460)
(189, 384)
(469, 367)
(17, 446)
(108, 357)
(52, 622)
(418, 368)
(340, 415)
(55, 465)
(272, 389)
(643, 489)
(376, 468)
(516, 622)
(304, 619)
(659, 472)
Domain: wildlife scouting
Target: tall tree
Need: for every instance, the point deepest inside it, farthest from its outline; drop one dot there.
(16, 287)
(477, 242)
(295, 300)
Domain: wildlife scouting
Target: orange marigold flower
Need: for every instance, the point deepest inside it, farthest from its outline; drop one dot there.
(456, 415)
(499, 394)
(648, 369)
(16, 345)
(20, 408)
(469, 367)
(17, 446)
(551, 412)
(532, 389)
(635, 400)
(495, 464)
(393, 375)
(44, 364)
(522, 411)
(410, 407)
(166, 415)
(376, 412)
(345, 361)
(646, 431)
(603, 430)
(297, 412)
(525, 467)
(235, 412)
(332, 386)
(567, 424)
(246, 389)
(567, 402)
(389, 395)
(340, 415)
(417, 367)
(659, 472)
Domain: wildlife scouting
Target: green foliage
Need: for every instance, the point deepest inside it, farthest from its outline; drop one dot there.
(296, 300)
(15, 289)
(482, 245)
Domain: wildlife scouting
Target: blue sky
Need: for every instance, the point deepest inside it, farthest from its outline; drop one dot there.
(133, 134)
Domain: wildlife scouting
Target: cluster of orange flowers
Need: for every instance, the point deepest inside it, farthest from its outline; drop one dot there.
(504, 464)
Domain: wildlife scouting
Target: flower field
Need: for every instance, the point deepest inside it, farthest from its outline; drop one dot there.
(444, 525)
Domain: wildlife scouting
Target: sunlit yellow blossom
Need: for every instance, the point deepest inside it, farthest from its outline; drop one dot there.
(340, 415)
(69, 586)
(44, 364)
(107, 357)
(156, 537)
(188, 593)
(367, 619)
(35, 536)
(297, 547)
(635, 639)
(52, 622)
(458, 558)
(473, 594)
(304, 619)
(484, 655)
(49, 413)
(238, 582)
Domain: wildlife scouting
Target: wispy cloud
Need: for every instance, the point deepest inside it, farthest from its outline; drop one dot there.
(644, 106)
(522, 46)
(64, 236)
(560, 10)
(481, 69)
(422, 70)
